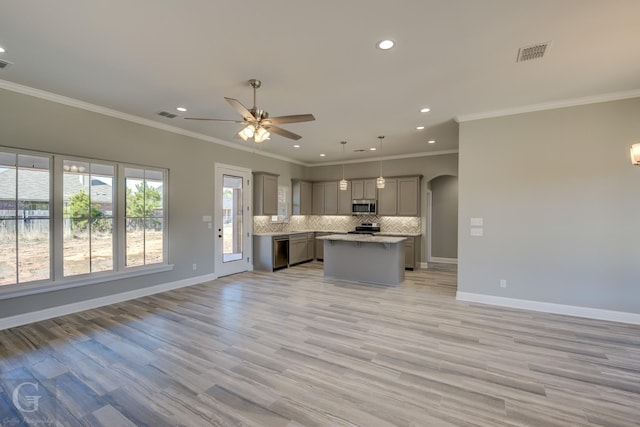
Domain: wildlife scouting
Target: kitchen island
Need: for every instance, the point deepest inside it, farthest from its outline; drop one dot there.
(364, 258)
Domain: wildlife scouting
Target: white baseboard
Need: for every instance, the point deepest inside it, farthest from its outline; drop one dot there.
(49, 313)
(439, 260)
(547, 307)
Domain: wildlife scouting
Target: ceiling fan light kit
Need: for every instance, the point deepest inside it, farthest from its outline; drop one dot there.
(257, 123)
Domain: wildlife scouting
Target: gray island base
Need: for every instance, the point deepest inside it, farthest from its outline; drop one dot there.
(363, 258)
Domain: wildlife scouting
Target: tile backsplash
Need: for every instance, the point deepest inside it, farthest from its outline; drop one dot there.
(388, 224)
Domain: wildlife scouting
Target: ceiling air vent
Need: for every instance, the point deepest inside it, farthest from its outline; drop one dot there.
(532, 52)
(167, 114)
(5, 64)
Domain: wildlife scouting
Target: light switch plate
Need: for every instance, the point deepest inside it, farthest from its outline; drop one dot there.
(477, 232)
(476, 222)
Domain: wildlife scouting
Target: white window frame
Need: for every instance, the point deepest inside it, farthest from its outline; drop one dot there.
(57, 280)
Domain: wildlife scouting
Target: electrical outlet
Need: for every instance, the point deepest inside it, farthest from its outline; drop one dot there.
(503, 283)
(195, 267)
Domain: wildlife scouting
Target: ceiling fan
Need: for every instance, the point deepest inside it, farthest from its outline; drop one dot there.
(257, 123)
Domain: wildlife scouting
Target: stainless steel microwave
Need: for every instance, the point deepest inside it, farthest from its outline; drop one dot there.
(363, 207)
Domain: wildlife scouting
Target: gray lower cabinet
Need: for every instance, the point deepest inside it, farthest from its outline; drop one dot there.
(298, 251)
(320, 246)
(411, 250)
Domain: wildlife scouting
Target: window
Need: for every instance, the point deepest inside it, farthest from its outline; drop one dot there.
(88, 217)
(94, 220)
(144, 216)
(24, 218)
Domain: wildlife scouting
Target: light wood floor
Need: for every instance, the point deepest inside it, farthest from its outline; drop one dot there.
(295, 349)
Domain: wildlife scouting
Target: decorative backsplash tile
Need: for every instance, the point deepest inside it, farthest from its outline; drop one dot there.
(388, 224)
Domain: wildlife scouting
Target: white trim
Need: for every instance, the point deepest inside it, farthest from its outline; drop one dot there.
(49, 313)
(547, 307)
(377, 159)
(49, 96)
(440, 260)
(549, 105)
(22, 289)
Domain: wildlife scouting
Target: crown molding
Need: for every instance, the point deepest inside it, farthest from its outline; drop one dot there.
(71, 102)
(549, 106)
(378, 159)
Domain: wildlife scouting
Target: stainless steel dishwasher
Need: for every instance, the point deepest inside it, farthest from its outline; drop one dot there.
(280, 252)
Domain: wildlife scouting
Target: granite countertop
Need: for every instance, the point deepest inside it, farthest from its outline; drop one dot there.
(363, 238)
(288, 233)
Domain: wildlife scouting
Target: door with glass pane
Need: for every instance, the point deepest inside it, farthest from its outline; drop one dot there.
(233, 219)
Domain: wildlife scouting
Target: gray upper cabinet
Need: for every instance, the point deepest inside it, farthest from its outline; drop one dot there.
(302, 197)
(325, 198)
(317, 205)
(400, 197)
(363, 189)
(331, 198)
(409, 196)
(344, 200)
(265, 193)
(388, 198)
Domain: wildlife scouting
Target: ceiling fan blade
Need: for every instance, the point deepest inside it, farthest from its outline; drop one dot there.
(282, 132)
(237, 105)
(214, 120)
(296, 118)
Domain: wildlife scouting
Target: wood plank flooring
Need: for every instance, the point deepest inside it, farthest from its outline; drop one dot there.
(295, 349)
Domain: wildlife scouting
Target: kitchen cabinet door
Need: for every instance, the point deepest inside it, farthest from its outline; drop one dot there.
(302, 197)
(265, 193)
(317, 204)
(297, 249)
(344, 200)
(331, 198)
(409, 196)
(388, 198)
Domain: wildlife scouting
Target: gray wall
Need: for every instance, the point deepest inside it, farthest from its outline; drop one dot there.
(36, 124)
(444, 217)
(560, 203)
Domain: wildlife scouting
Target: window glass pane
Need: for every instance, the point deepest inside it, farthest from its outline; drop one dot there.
(33, 222)
(8, 254)
(144, 212)
(88, 217)
(135, 242)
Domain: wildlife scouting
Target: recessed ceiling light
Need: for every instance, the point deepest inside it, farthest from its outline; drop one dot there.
(419, 127)
(296, 146)
(322, 155)
(2, 49)
(431, 141)
(181, 109)
(386, 44)
(425, 110)
(372, 149)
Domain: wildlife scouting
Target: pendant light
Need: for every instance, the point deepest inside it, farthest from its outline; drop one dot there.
(380, 180)
(343, 182)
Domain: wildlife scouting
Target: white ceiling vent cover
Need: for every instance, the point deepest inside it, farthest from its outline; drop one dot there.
(5, 64)
(535, 51)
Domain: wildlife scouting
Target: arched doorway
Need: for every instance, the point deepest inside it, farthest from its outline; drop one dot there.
(442, 220)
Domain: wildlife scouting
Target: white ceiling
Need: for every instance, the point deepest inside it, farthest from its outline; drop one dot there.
(457, 57)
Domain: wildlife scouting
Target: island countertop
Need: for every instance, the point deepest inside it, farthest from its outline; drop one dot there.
(362, 238)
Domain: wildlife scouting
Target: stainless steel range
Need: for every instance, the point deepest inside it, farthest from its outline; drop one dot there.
(366, 228)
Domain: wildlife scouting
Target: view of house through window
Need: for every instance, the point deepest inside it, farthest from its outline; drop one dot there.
(24, 218)
(86, 235)
(144, 216)
(88, 217)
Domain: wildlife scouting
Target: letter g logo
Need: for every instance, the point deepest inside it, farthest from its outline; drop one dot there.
(31, 400)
